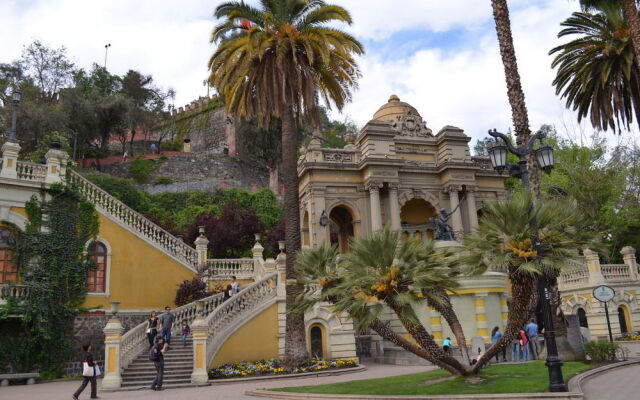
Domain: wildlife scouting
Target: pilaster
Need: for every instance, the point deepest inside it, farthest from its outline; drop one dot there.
(10, 153)
(593, 264)
(374, 199)
(56, 164)
(471, 208)
(479, 302)
(394, 206)
(456, 217)
(112, 338)
(629, 258)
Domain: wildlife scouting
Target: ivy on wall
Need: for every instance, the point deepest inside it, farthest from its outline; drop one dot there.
(54, 267)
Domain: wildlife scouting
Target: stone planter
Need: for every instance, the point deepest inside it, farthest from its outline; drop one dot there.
(632, 345)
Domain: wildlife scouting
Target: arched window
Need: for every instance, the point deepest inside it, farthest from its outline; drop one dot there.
(96, 281)
(582, 318)
(316, 342)
(8, 267)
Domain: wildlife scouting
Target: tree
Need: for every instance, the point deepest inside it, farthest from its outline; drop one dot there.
(50, 69)
(276, 61)
(515, 93)
(597, 72)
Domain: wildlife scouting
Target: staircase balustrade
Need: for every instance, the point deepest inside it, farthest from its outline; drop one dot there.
(136, 221)
(29, 171)
(135, 340)
(241, 268)
(236, 309)
(615, 272)
(575, 276)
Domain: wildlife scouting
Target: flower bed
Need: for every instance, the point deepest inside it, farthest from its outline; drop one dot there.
(274, 366)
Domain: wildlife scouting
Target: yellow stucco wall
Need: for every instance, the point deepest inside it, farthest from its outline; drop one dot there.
(416, 211)
(256, 340)
(19, 210)
(140, 277)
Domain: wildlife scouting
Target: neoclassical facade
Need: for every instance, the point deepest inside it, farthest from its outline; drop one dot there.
(396, 172)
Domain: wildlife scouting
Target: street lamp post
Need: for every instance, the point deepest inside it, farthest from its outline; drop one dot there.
(106, 48)
(206, 83)
(15, 102)
(544, 157)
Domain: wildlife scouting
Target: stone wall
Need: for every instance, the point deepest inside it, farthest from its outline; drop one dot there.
(88, 329)
(199, 172)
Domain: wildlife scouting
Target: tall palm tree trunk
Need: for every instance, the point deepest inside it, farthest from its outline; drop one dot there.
(445, 308)
(630, 12)
(524, 297)
(515, 93)
(295, 338)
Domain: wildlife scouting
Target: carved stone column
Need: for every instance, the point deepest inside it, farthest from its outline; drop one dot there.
(394, 207)
(456, 218)
(199, 332)
(629, 257)
(479, 302)
(593, 264)
(374, 199)
(112, 338)
(471, 208)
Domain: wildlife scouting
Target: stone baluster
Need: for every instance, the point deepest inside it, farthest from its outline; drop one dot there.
(112, 339)
(374, 199)
(481, 315)
(199, 332)
(394, 206)
(629, 258)
(10, 153)
(593, 264)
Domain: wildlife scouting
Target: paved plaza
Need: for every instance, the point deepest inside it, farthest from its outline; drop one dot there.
(618, 384)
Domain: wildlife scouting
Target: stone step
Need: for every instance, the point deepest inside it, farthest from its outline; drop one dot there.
(132, 372)
(151, 375)
(167, 367)
(147, 382)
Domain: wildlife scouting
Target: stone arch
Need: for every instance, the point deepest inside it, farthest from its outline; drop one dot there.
(353, 209)
(341, 226)
(627, 299)
(13, 218)
(107, 264)
(406, 195)
(571, 306)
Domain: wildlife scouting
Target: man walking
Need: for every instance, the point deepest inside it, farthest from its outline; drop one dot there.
(532, 331)
(157, 356)
(166, 320)
(235, 287)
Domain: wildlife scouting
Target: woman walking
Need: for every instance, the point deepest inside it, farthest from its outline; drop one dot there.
(152, 328)
(89, 373)
(495, 336)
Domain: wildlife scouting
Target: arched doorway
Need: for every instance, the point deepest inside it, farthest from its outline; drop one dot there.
(8, 266)
(582, 318)
(624, 320)
(317, 342)
(341, 227)
(306, 239)
(414, 216)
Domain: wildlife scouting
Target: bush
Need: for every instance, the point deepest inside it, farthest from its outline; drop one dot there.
(601, 351)
(163, 180)
(141, 168)
(190, 291)
(123, 190)
(171, 146)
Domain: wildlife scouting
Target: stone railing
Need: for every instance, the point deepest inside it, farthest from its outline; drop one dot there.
(135, 340)
(10, 291)
(223, 268)
(575, 275)
(136, 222)
(29, 171)
(615, 272)
(239, 308)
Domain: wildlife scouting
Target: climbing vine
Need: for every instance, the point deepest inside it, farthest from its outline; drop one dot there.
(54, 267)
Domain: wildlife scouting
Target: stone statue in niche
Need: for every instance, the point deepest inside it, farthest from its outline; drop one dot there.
(442, 229)
(411, 125)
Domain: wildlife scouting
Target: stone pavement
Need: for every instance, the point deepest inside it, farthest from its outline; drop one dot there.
(63, 390)
(619, 384)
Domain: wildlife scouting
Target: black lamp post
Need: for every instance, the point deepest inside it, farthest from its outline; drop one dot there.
(15, 102)
(544, 156)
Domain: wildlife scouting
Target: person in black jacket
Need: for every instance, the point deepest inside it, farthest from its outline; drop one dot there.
(158, 350)
(88, 358)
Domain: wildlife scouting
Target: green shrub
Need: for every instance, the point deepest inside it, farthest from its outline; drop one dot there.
(123, 190)
(163, 180)
(601, 351)
(171, 146)
(190, 291)
(141, 168)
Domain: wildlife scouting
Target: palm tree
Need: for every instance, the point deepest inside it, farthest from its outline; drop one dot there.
(630, 12)
(503, 242)
(598, 74)
(276, 61)
(519, 112)
(382, 269)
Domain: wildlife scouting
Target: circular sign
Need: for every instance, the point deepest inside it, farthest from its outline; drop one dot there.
(604, 293)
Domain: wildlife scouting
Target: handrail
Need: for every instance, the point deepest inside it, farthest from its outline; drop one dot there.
(31, 171)
(136, 221)
(236, 309)
(615, 272)
(223, 268)
(135, 341)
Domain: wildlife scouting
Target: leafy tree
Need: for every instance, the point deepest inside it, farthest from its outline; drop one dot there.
(275, 61)
(515, 93)
(54, 269)
(597, 72)
(48, 68)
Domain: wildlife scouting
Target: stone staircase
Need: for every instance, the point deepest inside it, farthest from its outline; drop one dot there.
(178, 365)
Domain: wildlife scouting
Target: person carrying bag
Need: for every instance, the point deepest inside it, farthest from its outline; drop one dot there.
(89, 373)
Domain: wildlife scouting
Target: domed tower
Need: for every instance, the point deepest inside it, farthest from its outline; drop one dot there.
(403, 117)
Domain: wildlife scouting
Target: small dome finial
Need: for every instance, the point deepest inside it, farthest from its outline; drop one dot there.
(393, 98)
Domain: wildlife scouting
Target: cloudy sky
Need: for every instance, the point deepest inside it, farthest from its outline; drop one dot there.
(440, 56)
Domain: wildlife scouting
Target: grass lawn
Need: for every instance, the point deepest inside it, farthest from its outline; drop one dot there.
(510, 378)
